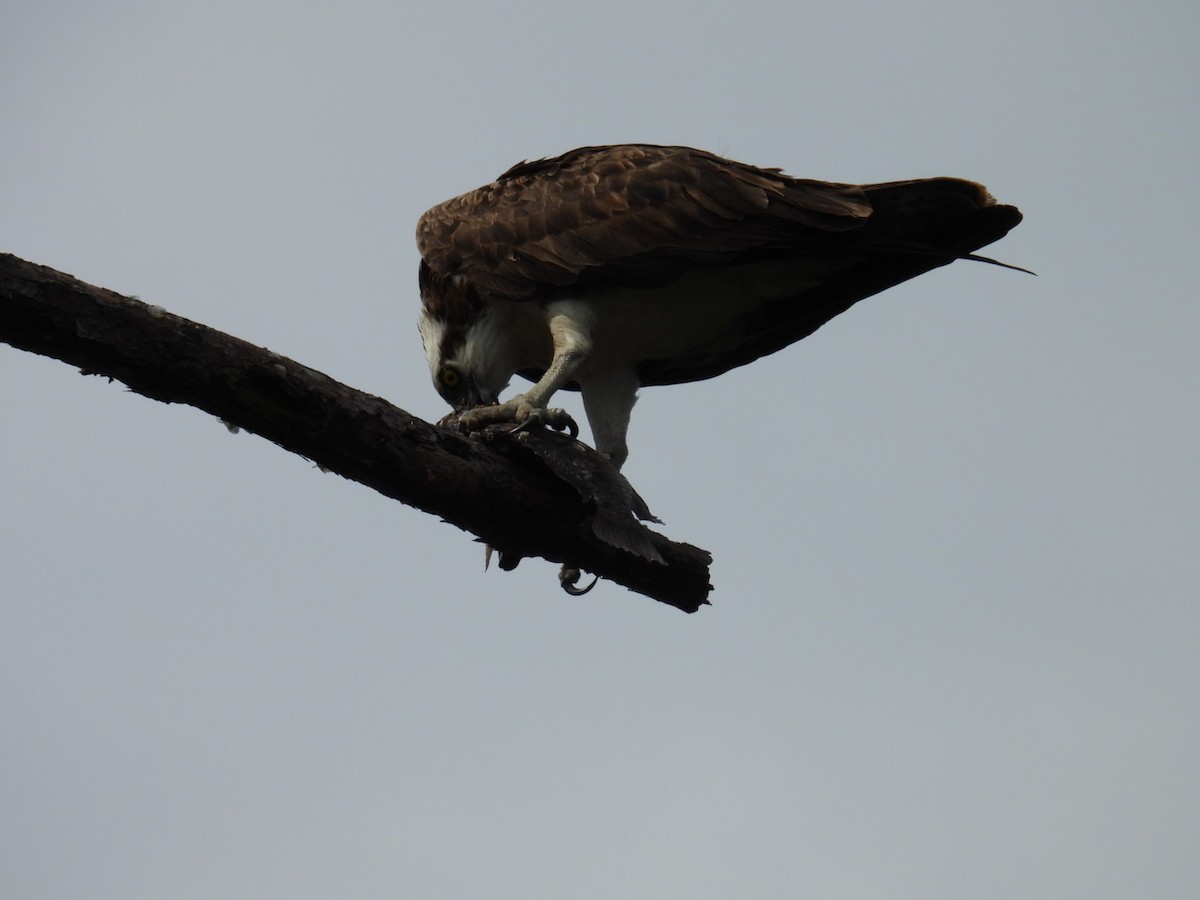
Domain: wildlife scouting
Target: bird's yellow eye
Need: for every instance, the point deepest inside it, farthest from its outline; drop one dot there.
(449, 376)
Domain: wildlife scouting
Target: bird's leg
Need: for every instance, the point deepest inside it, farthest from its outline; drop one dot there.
(608, 399)
(568, 323)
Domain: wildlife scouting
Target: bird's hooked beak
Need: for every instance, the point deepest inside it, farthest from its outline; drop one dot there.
(474, 397)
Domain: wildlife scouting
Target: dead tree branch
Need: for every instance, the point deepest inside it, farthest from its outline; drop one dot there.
(509, 500)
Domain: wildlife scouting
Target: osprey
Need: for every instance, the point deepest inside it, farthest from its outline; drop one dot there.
(609, 268)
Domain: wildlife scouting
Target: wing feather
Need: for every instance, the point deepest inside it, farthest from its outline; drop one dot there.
(639, 213)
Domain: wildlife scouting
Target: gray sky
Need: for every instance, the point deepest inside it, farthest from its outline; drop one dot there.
(953, 651)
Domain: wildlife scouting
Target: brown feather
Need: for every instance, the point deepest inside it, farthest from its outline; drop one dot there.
(553, 223)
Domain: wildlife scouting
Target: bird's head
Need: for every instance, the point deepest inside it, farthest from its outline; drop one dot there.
(468, 368)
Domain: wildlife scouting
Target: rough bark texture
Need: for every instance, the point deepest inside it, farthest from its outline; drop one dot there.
(511, 500)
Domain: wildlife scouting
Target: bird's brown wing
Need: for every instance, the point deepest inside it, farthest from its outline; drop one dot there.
(915, 226)
(628, 214)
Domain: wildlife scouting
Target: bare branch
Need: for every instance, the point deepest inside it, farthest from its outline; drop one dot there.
(511, 500)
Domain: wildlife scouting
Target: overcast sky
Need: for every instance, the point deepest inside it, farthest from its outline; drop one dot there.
(953, 651)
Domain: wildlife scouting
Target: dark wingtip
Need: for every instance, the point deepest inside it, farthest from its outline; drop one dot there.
(975, 257)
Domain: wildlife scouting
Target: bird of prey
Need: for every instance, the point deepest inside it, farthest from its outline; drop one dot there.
(610, 268)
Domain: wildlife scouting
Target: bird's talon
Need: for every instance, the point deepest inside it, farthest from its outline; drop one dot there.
(558, 419)
(568, 577)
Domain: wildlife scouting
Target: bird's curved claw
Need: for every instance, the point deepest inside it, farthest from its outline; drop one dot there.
(520, 411)
(568, 577)
(558, 419)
